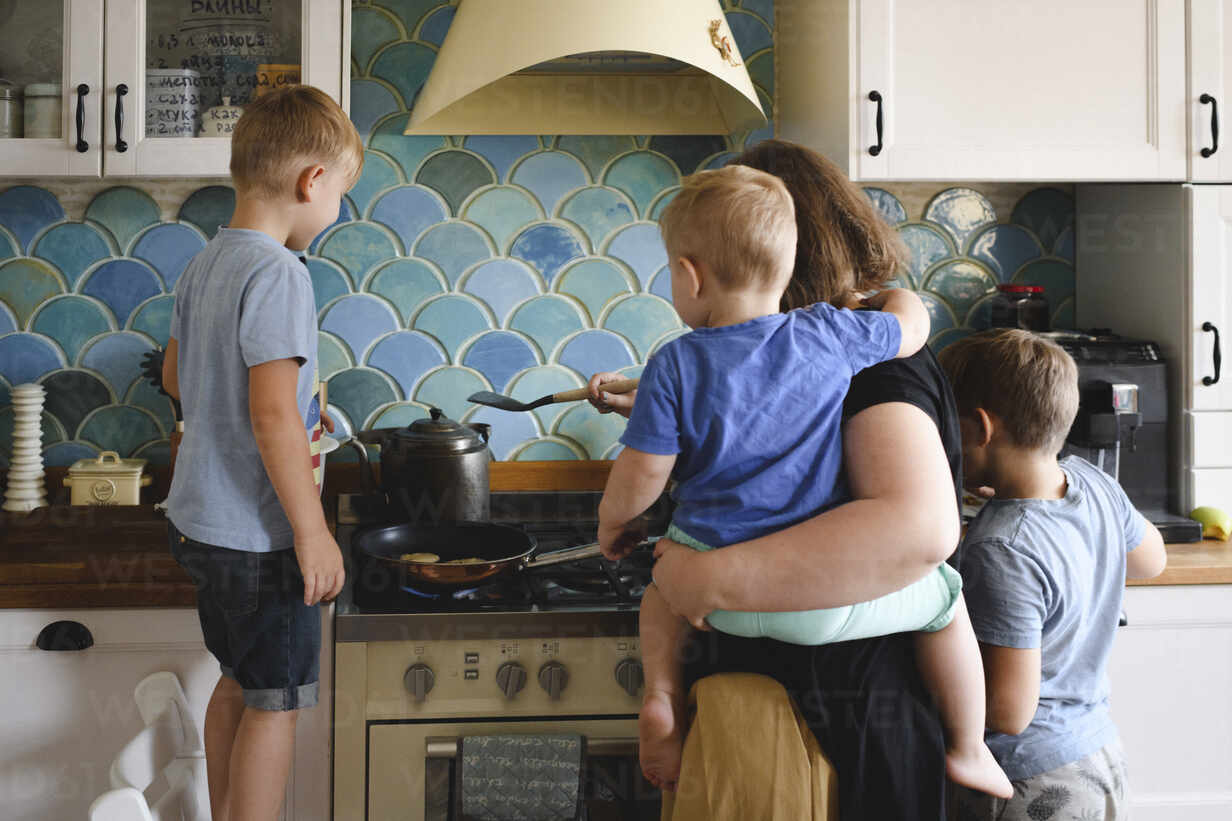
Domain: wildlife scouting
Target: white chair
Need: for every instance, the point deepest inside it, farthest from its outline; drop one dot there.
(170, 745)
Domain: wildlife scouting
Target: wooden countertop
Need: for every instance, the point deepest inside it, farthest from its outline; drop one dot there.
(1204, 562)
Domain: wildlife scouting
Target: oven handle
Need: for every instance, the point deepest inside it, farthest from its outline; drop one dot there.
(449, 747)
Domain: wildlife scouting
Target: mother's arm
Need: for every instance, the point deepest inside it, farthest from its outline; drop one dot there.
(901, 523)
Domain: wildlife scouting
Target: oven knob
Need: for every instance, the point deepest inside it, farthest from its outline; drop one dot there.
(419, 679)
(629, 676)
(511, 678)
(553, 677)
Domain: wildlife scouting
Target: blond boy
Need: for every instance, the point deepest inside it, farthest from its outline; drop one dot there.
(745, 414)
(245, 514)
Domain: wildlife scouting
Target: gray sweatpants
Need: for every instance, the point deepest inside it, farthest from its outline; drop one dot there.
(1092, 789)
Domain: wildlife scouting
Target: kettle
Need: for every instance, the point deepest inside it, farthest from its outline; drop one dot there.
(435, 470)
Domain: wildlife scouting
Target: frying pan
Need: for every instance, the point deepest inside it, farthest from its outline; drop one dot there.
(501, 550)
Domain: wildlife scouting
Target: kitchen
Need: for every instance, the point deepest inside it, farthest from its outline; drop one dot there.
(1013, 146)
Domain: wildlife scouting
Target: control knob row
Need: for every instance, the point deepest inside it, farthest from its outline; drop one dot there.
(419, 679)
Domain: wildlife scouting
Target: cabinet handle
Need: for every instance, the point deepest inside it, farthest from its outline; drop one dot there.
(64, 635)
(875, 96)
(1204, 99)
(82, 91)
(1218, 357)
(121, 90)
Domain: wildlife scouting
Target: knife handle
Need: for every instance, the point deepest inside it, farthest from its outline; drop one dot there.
(619, 386)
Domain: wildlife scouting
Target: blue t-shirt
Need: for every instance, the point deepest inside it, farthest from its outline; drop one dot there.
(242, 301)
(1050, 573)
(754, 412)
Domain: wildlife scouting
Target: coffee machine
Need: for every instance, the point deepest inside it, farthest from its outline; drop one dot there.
(1122, 423)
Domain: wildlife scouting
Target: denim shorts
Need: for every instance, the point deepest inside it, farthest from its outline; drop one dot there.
(255, 621)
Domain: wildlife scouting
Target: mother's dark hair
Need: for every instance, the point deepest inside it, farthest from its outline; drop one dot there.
(843, 243)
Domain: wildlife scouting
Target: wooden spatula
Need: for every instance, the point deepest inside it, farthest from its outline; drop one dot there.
(496, 400)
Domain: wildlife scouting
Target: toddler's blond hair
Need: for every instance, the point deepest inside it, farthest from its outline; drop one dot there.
(286, 130)
(737, 221)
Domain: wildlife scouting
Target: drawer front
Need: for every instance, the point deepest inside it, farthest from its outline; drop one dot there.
(1211, 486)
(1210, 439)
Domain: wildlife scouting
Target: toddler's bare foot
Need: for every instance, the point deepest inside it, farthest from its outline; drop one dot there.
(660, 741)
(977, 769)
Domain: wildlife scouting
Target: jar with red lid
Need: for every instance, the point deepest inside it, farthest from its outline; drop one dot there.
(1020, 306)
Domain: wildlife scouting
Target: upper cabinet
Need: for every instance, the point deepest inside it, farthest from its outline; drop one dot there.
(166, 79)
(1210, 79)
(1053, 90)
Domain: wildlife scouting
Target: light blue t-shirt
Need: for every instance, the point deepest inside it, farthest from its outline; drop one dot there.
(754, 411)
(242, 301)
(1050, 573)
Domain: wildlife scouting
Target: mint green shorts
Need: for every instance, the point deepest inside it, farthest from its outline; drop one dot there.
(926, 605)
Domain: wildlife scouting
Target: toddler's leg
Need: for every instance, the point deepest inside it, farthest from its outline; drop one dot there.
(661, 723)
(260, 762)
(953, 671)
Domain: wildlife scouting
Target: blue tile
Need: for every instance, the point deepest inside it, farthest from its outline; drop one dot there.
(408, 211)
(71, 321)
(359, 319)
(25, 210)
(548, 320)
(594, 283)
(545, 450)
(26, 284)
(751, 34)
(1057, 277)
(358, 247)
(1064, 246)
(455, 175)
(642, 320)
(72, 247)
(371, 28)
(1005, 249)
(942, 318)
(407, 284)
(926, 245)
(979, 317)
(153, 319)
(145, 396)
(117, 357)
(961, 283)
(64, 454)
(436, 25)
(592, 351)
(664, 200)
(1047, 212)
(663, 340)
(123, 211)
(944, 339)
(448, 388)
(400, 415)
(598, 211)
(761, 72)
(454, 247)
(345, 214)
(8, 322)
(661, 286)
(547, 248)
(209, 207)
(360, 392)
(962, 211)
(378, 175)
(410, 12)
(8, 244)
(509, 430)
(550, 175)
(596, 152)
(410, 152)
(762, 8)
(157, 452)
(407, 356)
(452, 319)
(499, 355)
(405, 66)
(332, 355)
(596, 433)
(502, 151)
(642, 248)
(73, 394)
(502, 212)
(122, 284)
(24, 357)
(688, 151)
(544, 380)
(120, 428)
(889, 206)
(1063, 317)
(722, 160)
(328, 281)
(168, 248)
(642, 176)
(501, 284)
(371, 101)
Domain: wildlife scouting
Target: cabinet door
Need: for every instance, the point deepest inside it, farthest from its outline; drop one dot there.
(1210, 294)
(178, 59)
(51, 49)
(1050, 90)
(1210, 79)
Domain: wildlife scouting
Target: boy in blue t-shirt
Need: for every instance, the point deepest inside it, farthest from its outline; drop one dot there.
(1044, 565)
(745, 414)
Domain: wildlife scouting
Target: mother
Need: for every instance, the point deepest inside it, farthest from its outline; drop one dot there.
(864, 700)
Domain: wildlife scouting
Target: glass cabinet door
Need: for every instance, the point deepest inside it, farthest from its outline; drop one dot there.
(51, 69)
(179, 73)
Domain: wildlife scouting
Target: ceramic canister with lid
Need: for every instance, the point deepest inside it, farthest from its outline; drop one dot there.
(42, 111)
(10, 110)
(107, 480)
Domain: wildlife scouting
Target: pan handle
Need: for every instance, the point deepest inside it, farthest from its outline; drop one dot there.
(588, 551)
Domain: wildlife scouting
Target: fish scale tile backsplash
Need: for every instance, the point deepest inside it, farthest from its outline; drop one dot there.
(519, 264)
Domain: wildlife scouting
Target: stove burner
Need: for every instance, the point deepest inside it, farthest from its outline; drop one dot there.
(457, 594)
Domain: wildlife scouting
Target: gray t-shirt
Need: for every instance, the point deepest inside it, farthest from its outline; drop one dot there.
(1050, 573)
(242, 301)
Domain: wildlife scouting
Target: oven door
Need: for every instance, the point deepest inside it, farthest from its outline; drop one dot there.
(413, 766)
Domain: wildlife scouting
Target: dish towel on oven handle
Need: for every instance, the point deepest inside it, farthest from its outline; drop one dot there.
(521, 777)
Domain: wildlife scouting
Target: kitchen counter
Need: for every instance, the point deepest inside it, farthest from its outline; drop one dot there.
(1204, 562)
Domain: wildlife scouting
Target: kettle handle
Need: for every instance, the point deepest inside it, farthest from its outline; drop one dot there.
(481, 428)
(366, 474)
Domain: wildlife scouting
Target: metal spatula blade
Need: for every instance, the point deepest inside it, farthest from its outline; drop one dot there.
(508, 403)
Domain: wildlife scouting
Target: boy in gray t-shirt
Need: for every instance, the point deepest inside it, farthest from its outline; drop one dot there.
(1044, 568)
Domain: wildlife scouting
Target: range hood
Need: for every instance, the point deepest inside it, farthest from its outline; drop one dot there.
(587, 67)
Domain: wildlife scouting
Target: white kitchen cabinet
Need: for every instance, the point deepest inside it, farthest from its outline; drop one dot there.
(1156, 263)
(1210, 79)
(65, 715)
(111, 46)
(1053, 90)
(1171, 673)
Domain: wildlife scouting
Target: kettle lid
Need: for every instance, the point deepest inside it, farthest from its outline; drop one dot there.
(438, 432)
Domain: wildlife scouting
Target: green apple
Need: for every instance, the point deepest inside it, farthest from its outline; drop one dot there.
(1215, 523)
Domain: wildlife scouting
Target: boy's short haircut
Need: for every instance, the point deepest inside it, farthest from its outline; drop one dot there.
(1028, 381)
(282, 132)
(738, 221)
